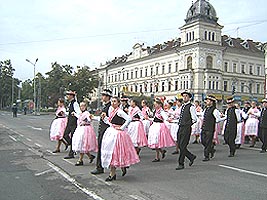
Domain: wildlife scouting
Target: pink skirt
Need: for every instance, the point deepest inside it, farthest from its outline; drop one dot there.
(84, 140)
(124, 153)
(57, 128)
(137, 134)
(159, 136)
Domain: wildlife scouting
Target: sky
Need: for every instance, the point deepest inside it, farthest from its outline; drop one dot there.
(87, 32)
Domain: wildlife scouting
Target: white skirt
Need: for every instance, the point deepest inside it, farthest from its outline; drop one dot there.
(251, 127)
(147, 124)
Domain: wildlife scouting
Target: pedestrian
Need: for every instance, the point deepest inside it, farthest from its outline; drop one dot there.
(251, 125)
(58, 126)
(73, 108)
(106, 96)
(240, 128)
(196, 127)
(124, 104)
(25, 110)
(14, 110)
(187, 118)
(232, 117)
(211, 116)
(84, 137)
(159, 135)
(245, 109)
(117, 147)
(136, 128)
(146, 112)
(263, 126)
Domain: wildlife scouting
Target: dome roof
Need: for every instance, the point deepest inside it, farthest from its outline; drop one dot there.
(201, 10)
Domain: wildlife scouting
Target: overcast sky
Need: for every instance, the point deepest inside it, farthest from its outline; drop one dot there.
(87, 32)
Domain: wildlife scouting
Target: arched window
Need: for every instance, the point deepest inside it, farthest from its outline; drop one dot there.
(205, 35)
(163, 86)
(190, 37)
(209, 61)
(193, 35)
(213, 36)
(209, 35)
(189, 62)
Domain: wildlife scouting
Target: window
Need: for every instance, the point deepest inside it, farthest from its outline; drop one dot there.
(123, 76)
(112, 78)
(217, 85)
(193, 35)
(162, 86)
(141, 88)
(205, 35)
(157, 70)
(170, 86)
(190, 38)
(151, 71)
(187, 85)
(225, 86)
(141, 73)
(146, 72)
(250, 69)
(189, 62)
(163, 69)
(213, 36)
(151, 87)
(258, 71)
(209, 35)
(176, 85)
(127, 75)
(187, 37)
(243, 69)
(209, 61)
(145, 87)
(115, 77)
(157, 87)
(226, 66)
(242, 87)
(135, 88)
(109, 79)
(210, 85)
(250, 88)
(131, 74)
(176, 67)
(170, 68)
(258, 88)
(234, 67)
(136, 74)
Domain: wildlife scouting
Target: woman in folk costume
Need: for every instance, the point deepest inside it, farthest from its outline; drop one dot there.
(136, 128)
(159, 135)
(172, 122)
(117, 149)
(58, 125)
(196, 127)
(251, 125)
(146, 112)
(240, 137)
(84, 137)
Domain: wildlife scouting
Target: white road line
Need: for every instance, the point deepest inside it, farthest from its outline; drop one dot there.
(66, 160)
(38, 145)
(49, 151)
(244, 171)
(28, 139)
(251, 148)
(44, 172)
(103, 181)
(21, 135)
(13, 138)
(75, 183)
(35, 128)
(136, 197)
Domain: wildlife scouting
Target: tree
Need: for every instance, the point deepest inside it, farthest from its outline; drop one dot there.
(8, 84)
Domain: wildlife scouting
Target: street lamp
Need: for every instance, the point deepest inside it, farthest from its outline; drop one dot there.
(34, 90)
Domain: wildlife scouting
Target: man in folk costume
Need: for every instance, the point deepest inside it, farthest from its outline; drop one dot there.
(211, 116)
(263, 126)
(73, 107)
(245, 110)
(106, 96)
(232, 117)
(187, 118)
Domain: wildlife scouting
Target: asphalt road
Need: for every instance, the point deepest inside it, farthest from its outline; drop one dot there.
(29, 170)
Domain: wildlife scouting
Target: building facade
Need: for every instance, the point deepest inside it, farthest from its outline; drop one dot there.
(201, 60)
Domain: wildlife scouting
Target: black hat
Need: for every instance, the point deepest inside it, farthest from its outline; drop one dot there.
(186, 92)
(230, 100)
(211, 97)
(107, 92)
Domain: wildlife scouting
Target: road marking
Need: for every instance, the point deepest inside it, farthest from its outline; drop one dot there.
(103, 181)
(74, 182)
(251, 148)
(35, 128)
(244, 171)
(136, 197)
(44, 172)
(49, 151)
(13, 138)
(38, 145)
(66, 160)
(21, 135)
(28, 139)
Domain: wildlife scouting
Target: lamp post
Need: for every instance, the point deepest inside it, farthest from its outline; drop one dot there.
(34, 89)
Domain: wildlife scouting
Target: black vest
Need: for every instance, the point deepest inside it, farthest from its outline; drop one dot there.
(263, 118)
(102, 125)
(72, 120)
(185, 117)
(117, 120)
(231, 120)
(209, 119)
